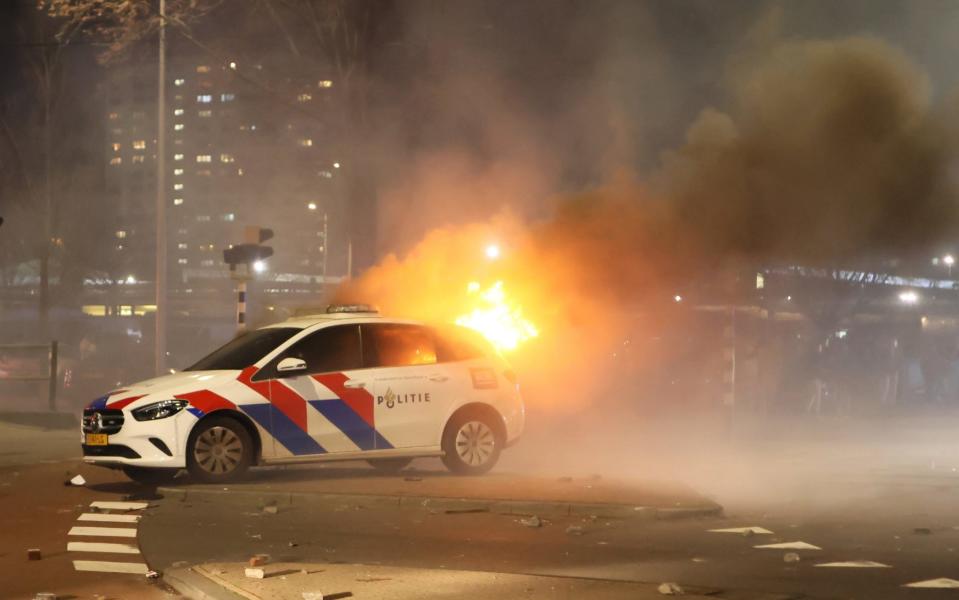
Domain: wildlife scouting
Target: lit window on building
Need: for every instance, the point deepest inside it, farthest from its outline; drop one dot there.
(239, 172)
(203, 173)
(177, 157)
(116, 146)
(178, 127)
(182, 246)
(121, 234)
(178, 111)
(179, 81)
(203, 218)
(205, 114)
(116, 160)
(182, 261)
(177, 201)
(304, 98)
(204, 98)
(324, 83)
(113, 116)
(203, 158)
(178, 172)
(202, 69)
(207, 262)
(227, 97)
(117, 131)
(139, 114)
(229, 217)
(181, 231)
(138, 158)
(178, 186)
(226, 158)
(325, 174)
(139, 144)
(306, 143)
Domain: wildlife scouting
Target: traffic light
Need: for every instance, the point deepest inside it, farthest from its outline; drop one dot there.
(251, 249)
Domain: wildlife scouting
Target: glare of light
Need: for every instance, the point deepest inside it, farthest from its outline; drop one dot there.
(259, 266)
(949, 260)
(789, 298)
(336, 165)
(311, 206)
(908, 297)
(233, 65)
(677, 298)
(492, 252)
(131, 279)
(497, 317)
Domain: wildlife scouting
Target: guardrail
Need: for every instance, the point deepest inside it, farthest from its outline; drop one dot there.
(49, 365)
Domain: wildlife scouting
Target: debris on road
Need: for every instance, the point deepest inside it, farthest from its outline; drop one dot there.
(533, 521)
(789, 546)
(34, 554)
(78, 480)
(271, 509)
(151, 575)
(45, 596)
(922, 531)
(464, 511)
(258, 560)
(942, 582)
(255, 573)
(856, 564)
(574, 530)
(790, 557)
(745, 531)
(670, 589)
(292, 544)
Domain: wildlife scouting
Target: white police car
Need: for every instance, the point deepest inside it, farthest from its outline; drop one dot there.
(348, 384)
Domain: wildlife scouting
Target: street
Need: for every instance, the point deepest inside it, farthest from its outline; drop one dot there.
(900, 514)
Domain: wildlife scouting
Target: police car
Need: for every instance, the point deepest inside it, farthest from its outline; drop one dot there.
(343, 385)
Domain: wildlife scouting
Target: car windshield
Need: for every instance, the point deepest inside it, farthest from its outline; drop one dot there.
(243, 351)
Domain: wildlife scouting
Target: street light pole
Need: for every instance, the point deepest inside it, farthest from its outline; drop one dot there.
(161, 242)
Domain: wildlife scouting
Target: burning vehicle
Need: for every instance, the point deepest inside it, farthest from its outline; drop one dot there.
(347, 384)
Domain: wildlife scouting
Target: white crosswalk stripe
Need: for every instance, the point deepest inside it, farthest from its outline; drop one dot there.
(108, 518)
(112, 548)
(105, 566)
(119, 505)
(104, 531)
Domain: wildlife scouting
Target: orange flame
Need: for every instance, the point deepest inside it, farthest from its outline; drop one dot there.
(498, 318)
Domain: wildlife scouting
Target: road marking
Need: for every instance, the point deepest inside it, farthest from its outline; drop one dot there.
(104, 531)
(119, 505)
(942, 582)
(102, 547)
(789, 546)
(105, 518)
(104, 566)
(742, 530)
(855, 564)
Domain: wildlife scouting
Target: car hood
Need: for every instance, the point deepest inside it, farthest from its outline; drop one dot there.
(163, 388)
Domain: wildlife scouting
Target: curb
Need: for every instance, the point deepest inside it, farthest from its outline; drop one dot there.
(505, 507)
(190, 584)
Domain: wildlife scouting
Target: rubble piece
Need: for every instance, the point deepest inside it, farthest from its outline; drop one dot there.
(922, 531)
(78, 480)
(34, 554)
(292, 544)
(258, 560)
(152, 575)
(533, 522)
(271, 509)
(942, 583)
(855, 564)
(670, 589)
(45, 596)
(464, 511)
(574, 530)
(791, 557)
(312, 595)
(746, 531)
(789, 546)
(255, 573)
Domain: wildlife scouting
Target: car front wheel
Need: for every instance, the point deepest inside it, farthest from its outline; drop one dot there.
(219, 450)
(471, 444)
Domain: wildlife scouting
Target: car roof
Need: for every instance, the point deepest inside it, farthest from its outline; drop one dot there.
(304, 321)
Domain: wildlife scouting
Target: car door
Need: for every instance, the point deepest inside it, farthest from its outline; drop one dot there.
(411, 389)
(328, 407)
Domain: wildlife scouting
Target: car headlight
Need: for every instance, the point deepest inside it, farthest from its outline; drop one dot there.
(159, 410)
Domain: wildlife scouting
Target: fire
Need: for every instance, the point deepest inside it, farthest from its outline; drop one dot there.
(498, 318)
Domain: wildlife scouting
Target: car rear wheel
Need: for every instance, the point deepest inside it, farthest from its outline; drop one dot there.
(150, 476)
(471, 444)
(219, 450)
(390, 466)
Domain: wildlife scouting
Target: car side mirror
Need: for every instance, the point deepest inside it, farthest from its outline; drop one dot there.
(291, 365)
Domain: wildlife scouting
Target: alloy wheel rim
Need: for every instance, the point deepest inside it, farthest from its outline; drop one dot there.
(475, 443)
(218, 450)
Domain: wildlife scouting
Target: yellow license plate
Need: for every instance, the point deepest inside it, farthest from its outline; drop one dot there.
(96, 439)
